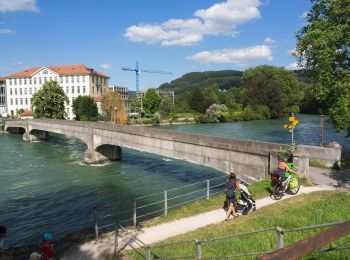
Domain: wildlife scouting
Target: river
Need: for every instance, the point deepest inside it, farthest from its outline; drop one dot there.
(45, 186)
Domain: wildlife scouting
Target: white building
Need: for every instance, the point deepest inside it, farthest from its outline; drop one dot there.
(2, 96)
(76, 80)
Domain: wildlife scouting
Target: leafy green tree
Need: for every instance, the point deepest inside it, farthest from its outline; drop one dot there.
(323, 48)
(166, 107)
(275, 87)
(182, 103)
(135, 105)
(49, 101)
(232, 97)
(85, 109)
(217, 113)
(151, 101)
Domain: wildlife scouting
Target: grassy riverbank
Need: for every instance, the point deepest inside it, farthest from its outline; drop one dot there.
(258, 189)
(311, 209)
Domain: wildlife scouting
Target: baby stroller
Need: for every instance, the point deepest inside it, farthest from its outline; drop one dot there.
(245, 203)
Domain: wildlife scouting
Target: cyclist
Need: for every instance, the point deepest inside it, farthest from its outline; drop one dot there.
(283, 168)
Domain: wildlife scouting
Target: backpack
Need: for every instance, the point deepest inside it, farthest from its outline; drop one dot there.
(230, 190)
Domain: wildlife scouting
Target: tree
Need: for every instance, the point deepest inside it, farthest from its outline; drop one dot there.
(275, 87)
(217, 113)
(49, 101)
(232, 97)
(166, 107)
(151, 101)
(135, 105)
(323, 48)
(85, 109)
(113, 105)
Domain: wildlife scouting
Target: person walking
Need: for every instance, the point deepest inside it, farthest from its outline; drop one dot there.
(232, 184)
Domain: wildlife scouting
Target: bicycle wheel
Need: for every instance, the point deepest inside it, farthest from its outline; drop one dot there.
(295, 188)
(277, 192)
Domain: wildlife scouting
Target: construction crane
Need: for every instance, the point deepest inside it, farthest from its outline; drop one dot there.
(138, 71)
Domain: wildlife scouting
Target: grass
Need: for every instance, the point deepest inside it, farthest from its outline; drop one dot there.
(259, 189)
(304, 210)
(318, 165)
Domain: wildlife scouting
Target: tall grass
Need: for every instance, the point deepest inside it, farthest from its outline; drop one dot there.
(305, 210)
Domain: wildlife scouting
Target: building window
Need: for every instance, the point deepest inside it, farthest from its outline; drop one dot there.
(45, 79)
(15, 91)
(39, 80)
(61, 79)
(44, 72)
(66, 79)
(10, 80)
(72, 79)
(30, 81)
(20, 82)
(78, 89)
(35, 89)
(11, 101)
(20, 91)
(16, 101)
(25, 91)
(26, 101)
(34, 81)
(10, 91)
(21, 101)
(50, 78)
(25, 81)
(15, 81)
(56, 78)
(84, 90)
(30, 91)
(78, 79)
(83, 78)
(67, 90)
(72, 89)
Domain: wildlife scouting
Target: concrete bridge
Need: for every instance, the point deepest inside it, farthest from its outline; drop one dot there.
(250, 159)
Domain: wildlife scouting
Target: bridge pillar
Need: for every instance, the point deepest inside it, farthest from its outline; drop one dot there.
(103, 153)
(35, 135)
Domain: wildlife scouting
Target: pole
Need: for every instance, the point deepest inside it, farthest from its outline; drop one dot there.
(321, 130)
(96, 226)
(208, 189)
(148, 253)
(198, 249)
(165, 202)
(134, 214)
(279, 237)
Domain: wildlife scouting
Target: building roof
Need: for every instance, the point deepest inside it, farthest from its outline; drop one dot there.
(61, 70)
(2, 79)
(27, 113)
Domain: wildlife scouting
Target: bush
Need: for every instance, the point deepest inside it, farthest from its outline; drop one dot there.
(102, 117)
(202, 118)
(215, 113)
(263, 111)
(156, 119)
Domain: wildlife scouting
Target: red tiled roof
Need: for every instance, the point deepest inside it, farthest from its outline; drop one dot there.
(61, 70)
(27, 113)
(2, 79)
(97, 98)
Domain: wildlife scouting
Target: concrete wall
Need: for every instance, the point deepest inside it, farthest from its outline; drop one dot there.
(324, 155)
(251, 160)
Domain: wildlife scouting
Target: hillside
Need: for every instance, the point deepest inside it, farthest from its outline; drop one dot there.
(225, 79)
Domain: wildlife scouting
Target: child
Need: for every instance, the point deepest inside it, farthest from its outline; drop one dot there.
(47, 248)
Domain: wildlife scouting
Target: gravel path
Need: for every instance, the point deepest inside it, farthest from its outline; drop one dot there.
(98, 250)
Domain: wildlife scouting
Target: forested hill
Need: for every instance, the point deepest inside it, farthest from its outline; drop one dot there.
(225, 79)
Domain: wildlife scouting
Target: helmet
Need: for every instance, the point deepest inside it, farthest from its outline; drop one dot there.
(47, 236)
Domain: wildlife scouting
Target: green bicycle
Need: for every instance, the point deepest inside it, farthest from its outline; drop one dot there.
(290, 185)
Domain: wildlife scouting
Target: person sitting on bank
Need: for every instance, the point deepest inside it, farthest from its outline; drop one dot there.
(283, 168)
(4, 253)
(232, 184)
(47, 247)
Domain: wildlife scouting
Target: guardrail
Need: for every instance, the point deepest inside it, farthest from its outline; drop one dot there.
(156, 204)
(198, 252)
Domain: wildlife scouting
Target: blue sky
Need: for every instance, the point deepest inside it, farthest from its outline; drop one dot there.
(177, 36)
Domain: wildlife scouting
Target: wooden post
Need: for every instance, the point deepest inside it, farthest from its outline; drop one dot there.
(279, 237)
(165, 202)
(148, 253)
(134, 214)
(321, 130)
(198, 249)
(208, 189)
(96, 226)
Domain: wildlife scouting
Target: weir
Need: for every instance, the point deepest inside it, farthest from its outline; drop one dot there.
(251, 160)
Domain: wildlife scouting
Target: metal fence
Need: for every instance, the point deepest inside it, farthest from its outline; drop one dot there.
(156, 204)
(146, 251)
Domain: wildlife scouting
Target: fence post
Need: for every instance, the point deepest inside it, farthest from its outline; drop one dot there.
(134, 214)
(96, 226)
(208, 189)
(279, 237)
(116, 234)
(148, 253)
(165, 202)
(198, 249)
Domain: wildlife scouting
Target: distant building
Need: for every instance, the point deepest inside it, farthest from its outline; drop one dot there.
(124, 94)
(3, 108)
(75, 80)
(167, 93)
(27, 115)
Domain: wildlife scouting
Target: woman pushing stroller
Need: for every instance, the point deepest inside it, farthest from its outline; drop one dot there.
(232, 184)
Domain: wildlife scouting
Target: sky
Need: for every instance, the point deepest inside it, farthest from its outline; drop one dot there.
(178, 36)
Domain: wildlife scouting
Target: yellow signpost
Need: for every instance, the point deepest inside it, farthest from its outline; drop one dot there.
(293, 122)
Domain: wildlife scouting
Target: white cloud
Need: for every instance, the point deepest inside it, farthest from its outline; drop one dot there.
(106, 66)
(291, 51)
(18, 5)
(6, 31)
(294, 66)
(219, 19)
(269, 40)
(16, 63)
(240, 57)
(303, 15)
